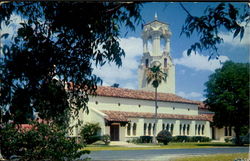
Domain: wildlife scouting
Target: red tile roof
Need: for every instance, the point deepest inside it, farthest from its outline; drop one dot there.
(139, 94)
(124, 116)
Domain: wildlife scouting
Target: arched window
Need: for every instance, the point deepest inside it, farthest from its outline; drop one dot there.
(230, 131)
(146, 63)
(180, 128)
(134, 129)
(199, 128)
(145, 129)
(128, 129)
(154, 128)
(167, 127)
(172, 128)
(188, 127)
(149, 128)
(165, 62)
(163, 126)
(202, 129)
(184, 129)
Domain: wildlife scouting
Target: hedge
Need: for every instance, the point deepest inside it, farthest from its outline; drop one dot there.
(146, 139)
(190, 139)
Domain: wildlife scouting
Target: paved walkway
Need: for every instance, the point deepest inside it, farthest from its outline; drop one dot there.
(126, 144)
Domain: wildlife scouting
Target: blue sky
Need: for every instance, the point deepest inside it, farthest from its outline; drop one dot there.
(191, 71)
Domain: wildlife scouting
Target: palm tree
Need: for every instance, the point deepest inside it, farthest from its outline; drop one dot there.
(156, 76)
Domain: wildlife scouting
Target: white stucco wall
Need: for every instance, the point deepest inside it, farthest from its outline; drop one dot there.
(132, 105)
(94, 116)
(220, 134)
(176, 131)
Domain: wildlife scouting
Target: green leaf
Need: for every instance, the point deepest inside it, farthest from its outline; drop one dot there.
(189, 52)
(237, 31)
(210, 57)
(232, 12)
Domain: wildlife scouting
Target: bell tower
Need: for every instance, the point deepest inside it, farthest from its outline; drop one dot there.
(156, 50)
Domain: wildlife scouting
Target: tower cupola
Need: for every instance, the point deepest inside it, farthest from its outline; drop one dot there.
(156, 50)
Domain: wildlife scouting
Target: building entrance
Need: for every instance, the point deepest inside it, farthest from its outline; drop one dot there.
(114, 132)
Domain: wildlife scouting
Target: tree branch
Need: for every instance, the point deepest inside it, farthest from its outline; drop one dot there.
(182, 6)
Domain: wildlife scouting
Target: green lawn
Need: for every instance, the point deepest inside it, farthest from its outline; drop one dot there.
(160, 146)
(216, 157)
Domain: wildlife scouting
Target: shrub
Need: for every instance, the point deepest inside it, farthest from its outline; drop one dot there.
(200, 139)
(246, 139)
(135, 140)
(227, 140)
(243, 139)
(181, 139)
(146, 139)
(106, 139)
(164, 137)
(90, 133)
(190, 139)
(41, 142)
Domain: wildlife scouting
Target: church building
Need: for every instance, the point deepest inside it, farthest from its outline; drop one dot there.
(125, 114)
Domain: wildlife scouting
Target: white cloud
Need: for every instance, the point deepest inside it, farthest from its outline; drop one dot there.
(14, 25)
(126, 75)
(130, 85)
(200, 62)
(228, 38)
(190, 95)
(10, 29)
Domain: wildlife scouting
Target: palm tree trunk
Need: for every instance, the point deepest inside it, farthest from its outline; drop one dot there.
(155, 124)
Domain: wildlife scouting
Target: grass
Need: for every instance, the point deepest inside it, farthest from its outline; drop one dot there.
(217, 157)
(159, 146)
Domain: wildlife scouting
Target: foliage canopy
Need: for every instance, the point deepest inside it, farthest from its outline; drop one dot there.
(46, 67)
(227, 93)
(90, 133)
(58, 41)
(155, 75)
(38, 143)
(225, 16)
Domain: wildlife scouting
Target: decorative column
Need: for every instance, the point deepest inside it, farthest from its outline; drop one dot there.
(158, 126)
(131, 128)
(192, 128)
(167, 45)
(177, 128)
(140, 127)
(145, 45)
(156, 43)
(207, 129)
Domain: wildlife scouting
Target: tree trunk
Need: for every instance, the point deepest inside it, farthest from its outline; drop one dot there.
(237, 135)
(156, 106)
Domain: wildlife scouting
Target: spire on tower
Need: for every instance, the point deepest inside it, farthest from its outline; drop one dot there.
(156, 17)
